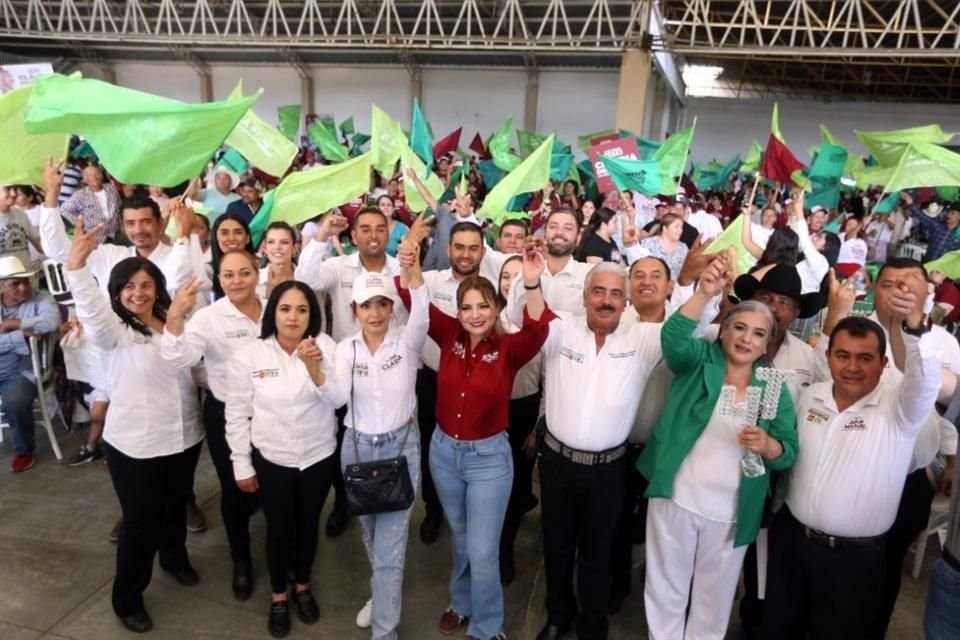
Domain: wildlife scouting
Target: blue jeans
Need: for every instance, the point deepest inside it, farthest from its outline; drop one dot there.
(18, 395)
(941, 618)
(385, 534)
(473, 479)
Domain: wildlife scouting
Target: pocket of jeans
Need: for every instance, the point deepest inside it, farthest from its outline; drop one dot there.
(946, 576)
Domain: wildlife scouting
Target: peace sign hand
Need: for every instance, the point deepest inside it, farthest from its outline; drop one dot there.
(185, 299)
(84, 243)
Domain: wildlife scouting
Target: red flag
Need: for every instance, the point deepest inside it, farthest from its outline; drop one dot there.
(778, 163)
(447, 145)
(477, 146)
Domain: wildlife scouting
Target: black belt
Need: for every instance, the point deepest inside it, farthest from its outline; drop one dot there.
(833, 542)
(588, 458)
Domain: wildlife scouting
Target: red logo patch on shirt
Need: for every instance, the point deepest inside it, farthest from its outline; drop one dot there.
(855, 424)
(817, 417)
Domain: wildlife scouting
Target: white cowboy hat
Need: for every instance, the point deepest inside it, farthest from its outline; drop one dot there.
(11, 267)
(234, 178)
(933, 210)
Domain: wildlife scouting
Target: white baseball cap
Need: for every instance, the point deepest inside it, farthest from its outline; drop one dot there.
(371, 285)
(816, 209)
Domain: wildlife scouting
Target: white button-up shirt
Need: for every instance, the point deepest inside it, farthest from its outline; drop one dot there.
(173, 261)
(213, 334)
(336, 276)
(273, 405)
(591, 396)
(707, 225)
(154, 408)
(383, 396)
(851, 464)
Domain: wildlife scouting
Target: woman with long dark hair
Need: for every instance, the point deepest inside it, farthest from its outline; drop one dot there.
(279, 245)
(282, 434)
(597, 244)
(230, 233)
(212, 336)
(152, 436)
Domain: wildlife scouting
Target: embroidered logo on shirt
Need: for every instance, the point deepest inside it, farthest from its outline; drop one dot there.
(570, 354)
(855, 424)
(360, 370)
(817, 417)
(391, 362)
(458, 350)
(239, 333)
(266, 373)
(443, 297)
(490, 357)
(624, 354)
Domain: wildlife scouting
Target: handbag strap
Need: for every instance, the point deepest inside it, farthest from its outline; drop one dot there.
(356, 435)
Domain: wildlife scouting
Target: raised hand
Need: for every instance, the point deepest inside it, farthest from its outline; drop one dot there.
(534, 260)
(312, 357)
(629, 229)
(908, 298)
(333, 224)
(84, 243)
(184, 216)
(841, 295)
(694, 264)
(713, 278)
(52, 180)
(184, 300)
(419, 230)
(795, 208)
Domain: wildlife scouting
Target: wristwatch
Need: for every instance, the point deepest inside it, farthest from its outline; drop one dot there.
(922, 329)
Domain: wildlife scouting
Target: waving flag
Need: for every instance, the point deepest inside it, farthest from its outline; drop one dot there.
(420, 139)
(779, 164)
(499, 146)
(887, 146)
(447, 145)
(672, 157)
(323, 134)
(531, 175)
(388, 142)
(24, 156)
(637, 175)
(289, 118)
(260, 143)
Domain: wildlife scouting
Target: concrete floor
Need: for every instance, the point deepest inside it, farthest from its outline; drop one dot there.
(58, 567)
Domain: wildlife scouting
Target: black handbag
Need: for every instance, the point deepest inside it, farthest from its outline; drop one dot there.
(380, 486)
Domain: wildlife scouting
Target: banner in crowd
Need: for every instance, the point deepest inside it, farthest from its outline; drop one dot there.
(140, 138)
(622, 148)
(636, 175)
(25, 156)
(17, 76)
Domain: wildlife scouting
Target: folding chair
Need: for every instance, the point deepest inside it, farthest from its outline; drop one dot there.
(41, 354)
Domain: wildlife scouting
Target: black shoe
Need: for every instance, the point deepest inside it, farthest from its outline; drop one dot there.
(242, 580)
(507, 570)
(85, 455)
(338, 520)
(186, 577)
(138, 622)
(278, 624)
(553, 632)
(430, 529)
(307, 609)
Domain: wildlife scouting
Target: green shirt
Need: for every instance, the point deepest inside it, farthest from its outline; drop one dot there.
(700, 367)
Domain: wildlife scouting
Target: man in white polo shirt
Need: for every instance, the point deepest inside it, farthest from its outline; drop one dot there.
(857, 436)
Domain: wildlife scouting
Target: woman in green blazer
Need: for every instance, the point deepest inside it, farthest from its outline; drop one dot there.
(703, 510)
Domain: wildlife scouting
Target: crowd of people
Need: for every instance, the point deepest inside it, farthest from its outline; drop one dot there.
(750, 425)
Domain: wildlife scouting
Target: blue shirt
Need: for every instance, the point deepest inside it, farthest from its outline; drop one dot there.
(39, 314)
(398, 233)
(941, 239)
(217, 202)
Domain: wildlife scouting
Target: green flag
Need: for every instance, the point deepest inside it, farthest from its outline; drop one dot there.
(825, 193)
(948, 193)
(326, 140)
(499, 147)
(717, 178)
(672, 158)
(829, 162)
(648, 148)
(948, 264)
(775, 123)
(346, 128)
(887, 146)
(388, 142)
(231, 160)
(637, 175)
(827, 137)
(528, 141)
(415, 203)
(305, 194)
(732, 236)
(259, 142)
(289, 118)
(561, 161)
(140, 138)
(420, 139)
(531, 175)
(359, 139)
(888, 203)
(24, 156)
(923, 164)
(752, 161)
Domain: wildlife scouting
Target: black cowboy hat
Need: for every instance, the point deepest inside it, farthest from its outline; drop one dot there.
(783, 280)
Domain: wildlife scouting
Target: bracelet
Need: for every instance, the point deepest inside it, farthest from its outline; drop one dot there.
(533, 288)
(919, 331)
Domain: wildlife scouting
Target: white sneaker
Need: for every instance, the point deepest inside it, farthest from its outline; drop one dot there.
(363, 618)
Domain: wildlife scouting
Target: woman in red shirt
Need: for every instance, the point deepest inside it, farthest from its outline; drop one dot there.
(470, 457)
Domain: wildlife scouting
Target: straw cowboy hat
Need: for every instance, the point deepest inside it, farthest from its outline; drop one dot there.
(933, 210)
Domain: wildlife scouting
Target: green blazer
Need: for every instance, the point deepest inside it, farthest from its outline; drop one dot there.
(700, 367)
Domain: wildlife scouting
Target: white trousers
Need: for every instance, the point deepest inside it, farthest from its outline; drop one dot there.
(690, 560)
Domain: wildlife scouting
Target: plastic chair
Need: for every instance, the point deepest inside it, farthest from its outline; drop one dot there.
(55, 280)
(41, 354)
(937, 525)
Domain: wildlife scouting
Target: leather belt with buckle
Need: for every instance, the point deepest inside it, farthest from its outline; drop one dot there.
(833, 542)
(588, 458)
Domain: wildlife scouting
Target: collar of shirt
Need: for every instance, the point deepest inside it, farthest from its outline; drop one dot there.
(391, 266)
(823, 393)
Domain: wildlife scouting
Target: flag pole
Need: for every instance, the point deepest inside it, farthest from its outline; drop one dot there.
(753, 192)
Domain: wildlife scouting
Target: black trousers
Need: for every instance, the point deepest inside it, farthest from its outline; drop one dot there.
(632, 527)
(426, 389)
(292, 500)
(912, 518)
(581, 508)
(828, 593)
(153, 494)
(339, 492)
(235, 505)
(523, 418)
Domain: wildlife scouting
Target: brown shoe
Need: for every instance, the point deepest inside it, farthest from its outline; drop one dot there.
(451, 622)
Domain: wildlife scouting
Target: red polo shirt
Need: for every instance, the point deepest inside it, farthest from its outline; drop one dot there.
(473, 387)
